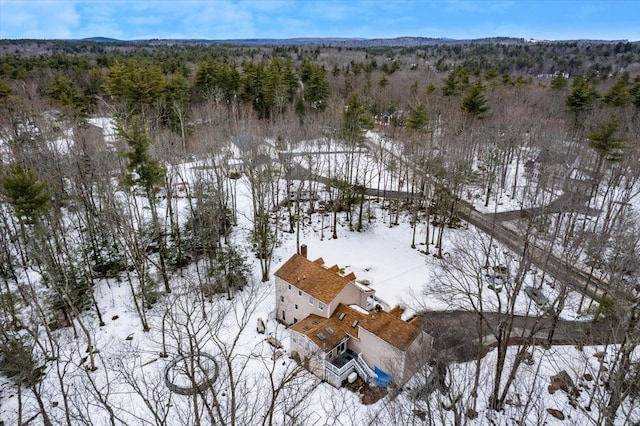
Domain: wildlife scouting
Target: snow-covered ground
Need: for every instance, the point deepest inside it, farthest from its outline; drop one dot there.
(129, 358)
(108, 127)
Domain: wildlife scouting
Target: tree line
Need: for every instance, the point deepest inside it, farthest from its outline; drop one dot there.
(450, 134)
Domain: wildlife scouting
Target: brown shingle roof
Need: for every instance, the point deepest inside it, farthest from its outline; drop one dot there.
(397, 311)
(387, 326)
(333, 329)
(313, 278)
(391, 328)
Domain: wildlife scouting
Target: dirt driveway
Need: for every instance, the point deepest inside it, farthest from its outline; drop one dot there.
(456, 333)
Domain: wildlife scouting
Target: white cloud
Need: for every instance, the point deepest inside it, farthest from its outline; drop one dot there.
(334, 11)
(232, 19)
(221, 20)
(270, 6)
(37, 19)
(468, 6)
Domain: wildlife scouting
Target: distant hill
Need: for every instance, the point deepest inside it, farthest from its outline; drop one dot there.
(348, 42)
(102, 39)
(94, 45)
(356, 42)
(332, 41)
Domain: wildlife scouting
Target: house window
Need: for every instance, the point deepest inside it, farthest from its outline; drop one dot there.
(299, 292)
(296, 306)
(282, 298)
(321, 306)
(289, 287)
(312, 300)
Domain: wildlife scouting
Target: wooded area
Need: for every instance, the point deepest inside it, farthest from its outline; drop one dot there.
(438, 136)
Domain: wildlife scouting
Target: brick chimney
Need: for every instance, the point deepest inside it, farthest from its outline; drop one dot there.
(303, 250)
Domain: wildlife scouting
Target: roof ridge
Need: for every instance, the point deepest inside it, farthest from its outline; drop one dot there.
(313, 278)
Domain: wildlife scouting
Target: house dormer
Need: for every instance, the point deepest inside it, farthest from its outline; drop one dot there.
(305, 287)
(338, 325)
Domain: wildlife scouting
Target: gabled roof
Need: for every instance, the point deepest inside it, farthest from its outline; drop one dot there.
(313, 278)
(392, 329)
(326, 333)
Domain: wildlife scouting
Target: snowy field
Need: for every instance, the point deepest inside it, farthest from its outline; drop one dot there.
(131, 371)
(380, 254)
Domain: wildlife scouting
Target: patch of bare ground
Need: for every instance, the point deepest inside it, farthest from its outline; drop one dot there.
(369, 394)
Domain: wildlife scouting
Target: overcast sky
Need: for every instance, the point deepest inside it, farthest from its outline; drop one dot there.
(238, 19)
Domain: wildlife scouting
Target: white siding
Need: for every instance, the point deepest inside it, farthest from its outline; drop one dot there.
(378, 353)
(291, 299)
(417, 355)
(310, 355)
(350, 295)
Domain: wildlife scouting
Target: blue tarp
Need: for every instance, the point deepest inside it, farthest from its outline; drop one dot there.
(383, 378)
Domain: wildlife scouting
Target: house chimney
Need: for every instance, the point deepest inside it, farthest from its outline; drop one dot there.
(303, 250)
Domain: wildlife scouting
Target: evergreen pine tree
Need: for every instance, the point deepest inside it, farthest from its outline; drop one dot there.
(634, 92)
(5, 90)
(618, 95)
(475, 103)
(27, 194)
(418, 118)
(606, 141)
(582, 97)
(149, 174)
(450, 87)
(355, 120)
(135, 82)
(316, 87)
(558, 82)
(144, 171)
(62, 90)
(456, 82)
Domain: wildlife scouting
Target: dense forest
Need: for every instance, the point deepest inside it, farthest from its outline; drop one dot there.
(439, 135)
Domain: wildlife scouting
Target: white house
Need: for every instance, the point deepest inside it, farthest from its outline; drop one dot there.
(335, 334)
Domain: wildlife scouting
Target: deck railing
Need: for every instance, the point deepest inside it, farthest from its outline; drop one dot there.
(337, 375)
(363, 369)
